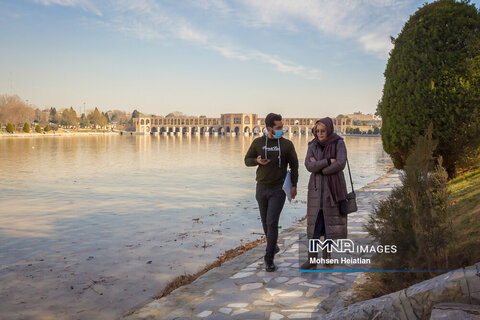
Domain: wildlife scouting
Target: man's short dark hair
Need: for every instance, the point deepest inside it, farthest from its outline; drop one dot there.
(271, 118)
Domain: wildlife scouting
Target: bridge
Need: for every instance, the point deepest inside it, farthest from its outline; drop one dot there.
(227, 124)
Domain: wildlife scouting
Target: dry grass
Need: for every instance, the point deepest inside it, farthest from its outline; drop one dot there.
(465, 192)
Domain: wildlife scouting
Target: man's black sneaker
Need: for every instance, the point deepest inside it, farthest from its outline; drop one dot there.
(277, 249)
(269, 265)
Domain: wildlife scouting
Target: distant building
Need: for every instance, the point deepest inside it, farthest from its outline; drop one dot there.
(365, 122)
(363, 117)
(228, 123)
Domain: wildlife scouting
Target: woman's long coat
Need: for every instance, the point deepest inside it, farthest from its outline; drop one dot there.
(335, 223)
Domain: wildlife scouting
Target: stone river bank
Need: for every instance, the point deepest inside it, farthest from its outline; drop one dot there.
(241, 289)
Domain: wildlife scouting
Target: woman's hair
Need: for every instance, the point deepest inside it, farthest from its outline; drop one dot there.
(318, 123)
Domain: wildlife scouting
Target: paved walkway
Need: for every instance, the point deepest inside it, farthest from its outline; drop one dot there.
(241, 289)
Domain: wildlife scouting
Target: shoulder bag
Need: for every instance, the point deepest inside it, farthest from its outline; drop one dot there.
(348, 205)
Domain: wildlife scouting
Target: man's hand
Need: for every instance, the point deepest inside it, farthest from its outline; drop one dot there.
(259, 161)
(312, 159)
(294, 192)
(333, 160)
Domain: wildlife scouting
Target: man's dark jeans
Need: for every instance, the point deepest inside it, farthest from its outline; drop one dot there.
(270, 203)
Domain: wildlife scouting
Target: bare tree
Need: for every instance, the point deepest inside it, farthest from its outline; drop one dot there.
(41, 117)
(15, 110)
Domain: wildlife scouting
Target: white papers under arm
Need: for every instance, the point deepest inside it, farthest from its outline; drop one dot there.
(287, 186)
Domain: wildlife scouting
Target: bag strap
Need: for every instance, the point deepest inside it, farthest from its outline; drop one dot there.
(348, 165)
(350, 174)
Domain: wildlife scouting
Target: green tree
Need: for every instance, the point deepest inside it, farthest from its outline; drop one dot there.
(10, 127)
(376, 130)
(84, 122)
(135, 114)
(47, 128)
(356, 131)
(377, 110)
(431, 77)
(106, 116)
(26, 127)
(370, 131)
(416, 217)
(69, 118)
(38, 128)
(54, 118)
(96, 118)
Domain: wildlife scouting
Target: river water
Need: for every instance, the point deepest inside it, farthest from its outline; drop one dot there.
(92, 226)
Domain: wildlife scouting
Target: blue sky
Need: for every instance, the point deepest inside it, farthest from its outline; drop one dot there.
(297, 58)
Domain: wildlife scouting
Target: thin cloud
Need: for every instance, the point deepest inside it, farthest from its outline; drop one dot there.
(230, 53)
(83, 4)
(288, 66)
(149, 20)
(215, 5)
(369, 23)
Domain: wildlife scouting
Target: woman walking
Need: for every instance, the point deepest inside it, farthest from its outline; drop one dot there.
(325, 159)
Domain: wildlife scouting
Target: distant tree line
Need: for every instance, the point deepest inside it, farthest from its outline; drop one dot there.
(349, 130)
(15, 114)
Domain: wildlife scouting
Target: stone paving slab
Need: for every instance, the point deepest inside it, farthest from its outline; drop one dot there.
(242, 289)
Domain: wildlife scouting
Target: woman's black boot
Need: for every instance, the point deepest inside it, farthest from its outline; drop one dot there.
(327, 255)
(307, 264)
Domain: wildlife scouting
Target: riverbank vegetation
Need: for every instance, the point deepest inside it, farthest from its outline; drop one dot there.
(431, 129)
(17, 115)
(433, 77)
(376, 130)
(433, 222)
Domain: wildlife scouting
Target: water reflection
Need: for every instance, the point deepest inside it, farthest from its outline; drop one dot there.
(49, 179)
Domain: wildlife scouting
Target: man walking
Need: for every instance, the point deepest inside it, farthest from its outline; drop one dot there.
(272, 153)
